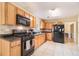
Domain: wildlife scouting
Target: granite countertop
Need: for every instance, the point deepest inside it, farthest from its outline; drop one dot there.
(9, 38)
(39, 34)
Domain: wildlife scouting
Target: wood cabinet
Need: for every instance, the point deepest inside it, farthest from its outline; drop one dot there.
(5, 48)
(10, 48)
(48, 25)
(2, 13)
(11, 14)
(27, 15)
(32, 21)
(49, 36)
(42, 24)
(16, 50)
(39, 39)
(7, 14)
(0, 47)
(36, 41)
(20, 11)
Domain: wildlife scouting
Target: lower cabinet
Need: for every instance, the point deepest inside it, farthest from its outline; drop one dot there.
(49, 36)
(16, 51)
(39, 40)
(10, 48)
(0, 48)
(36, 41)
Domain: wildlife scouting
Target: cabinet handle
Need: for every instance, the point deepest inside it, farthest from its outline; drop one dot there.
(16, 45)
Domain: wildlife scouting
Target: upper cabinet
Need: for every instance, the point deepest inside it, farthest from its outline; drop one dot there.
(2, 13)
(27, 15)
(42, 24)
(7, 14)
(11, 14)
(32, 22)
(48, 25)
(20, 11)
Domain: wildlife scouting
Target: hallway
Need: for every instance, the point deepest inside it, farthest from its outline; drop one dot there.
(57, 49)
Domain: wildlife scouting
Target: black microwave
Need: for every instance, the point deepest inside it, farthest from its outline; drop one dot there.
(21, 20)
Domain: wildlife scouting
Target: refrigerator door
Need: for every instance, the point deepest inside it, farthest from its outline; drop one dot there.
(59, 33)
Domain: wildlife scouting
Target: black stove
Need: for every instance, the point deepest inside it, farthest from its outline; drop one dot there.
(27, 41)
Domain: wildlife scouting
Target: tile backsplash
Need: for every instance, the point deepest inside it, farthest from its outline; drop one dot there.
(6, 29)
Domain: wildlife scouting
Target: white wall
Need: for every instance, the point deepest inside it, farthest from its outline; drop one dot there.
(68, 30)
(38, 22)
(78, 31)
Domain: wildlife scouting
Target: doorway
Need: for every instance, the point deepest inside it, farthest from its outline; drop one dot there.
(72, 33)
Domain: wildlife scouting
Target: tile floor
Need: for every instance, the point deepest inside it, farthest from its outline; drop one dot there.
(57, 49)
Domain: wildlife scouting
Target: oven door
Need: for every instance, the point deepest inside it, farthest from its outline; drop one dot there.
(27, 47)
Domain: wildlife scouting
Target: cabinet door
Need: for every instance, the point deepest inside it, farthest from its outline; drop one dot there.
(16, 50)
(33, 21)
(43, 37)
(27, 15)
(36, 41)
(49, 25)
(11, 14)
(20, 12)
(49, 36)
(0, 47)
(2, 13)
(42, 24)
(5, 47)
(40, 39)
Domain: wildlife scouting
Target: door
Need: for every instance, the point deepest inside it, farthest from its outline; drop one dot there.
(72, 32)
(59, 33)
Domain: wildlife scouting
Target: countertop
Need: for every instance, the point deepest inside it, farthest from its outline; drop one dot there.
(9, 38)
(39, 34)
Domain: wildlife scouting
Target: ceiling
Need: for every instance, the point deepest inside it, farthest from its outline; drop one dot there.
(40, 9)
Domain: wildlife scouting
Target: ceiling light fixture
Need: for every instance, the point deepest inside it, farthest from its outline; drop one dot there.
(54, 12)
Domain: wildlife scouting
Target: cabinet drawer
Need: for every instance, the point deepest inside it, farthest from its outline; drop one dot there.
(15, 43)
(18, 42)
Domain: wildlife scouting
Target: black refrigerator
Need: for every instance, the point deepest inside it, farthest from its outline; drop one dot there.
(58, 33)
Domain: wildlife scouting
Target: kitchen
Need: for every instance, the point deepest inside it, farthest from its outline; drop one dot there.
(21, 32)
(9, 23)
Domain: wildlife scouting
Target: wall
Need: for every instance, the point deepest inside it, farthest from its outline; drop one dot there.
(78, 30)
(68, 30)
(38, 23)
(68, 22)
